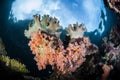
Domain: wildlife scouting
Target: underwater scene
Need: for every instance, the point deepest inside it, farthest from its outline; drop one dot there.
(60, 40)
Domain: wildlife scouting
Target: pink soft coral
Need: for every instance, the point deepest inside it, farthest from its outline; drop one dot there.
(41, 44)
(50, 50)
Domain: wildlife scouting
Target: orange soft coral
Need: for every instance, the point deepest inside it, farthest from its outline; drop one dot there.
(41, 47)
(75, 53)
(49, 50)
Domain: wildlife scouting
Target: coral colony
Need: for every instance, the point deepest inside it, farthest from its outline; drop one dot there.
(74, 57)
(73, 54)
(68, 52)
(48, 48)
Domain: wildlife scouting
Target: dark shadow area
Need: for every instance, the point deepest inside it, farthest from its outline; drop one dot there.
(7, 74)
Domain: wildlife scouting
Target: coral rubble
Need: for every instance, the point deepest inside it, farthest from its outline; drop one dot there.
(76, 30)
(112, 45)
(112, 53)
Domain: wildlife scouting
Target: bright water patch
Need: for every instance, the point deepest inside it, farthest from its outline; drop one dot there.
(68, 12)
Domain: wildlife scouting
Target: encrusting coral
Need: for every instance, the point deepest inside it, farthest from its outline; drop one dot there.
(49, 50)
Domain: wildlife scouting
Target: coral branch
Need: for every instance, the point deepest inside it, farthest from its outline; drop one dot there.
(115, 35)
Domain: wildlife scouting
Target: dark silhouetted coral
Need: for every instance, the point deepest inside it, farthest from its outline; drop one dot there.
(113, 4)
(115, 35)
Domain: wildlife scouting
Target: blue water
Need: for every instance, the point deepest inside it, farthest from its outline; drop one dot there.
(67, 11)
(16, 43)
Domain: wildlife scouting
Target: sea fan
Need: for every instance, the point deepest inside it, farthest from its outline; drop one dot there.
(44, 47)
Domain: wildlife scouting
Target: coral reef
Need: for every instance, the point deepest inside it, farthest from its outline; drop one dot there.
(111, 59)
(75, 53)
(48, 48)
(43, 46)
